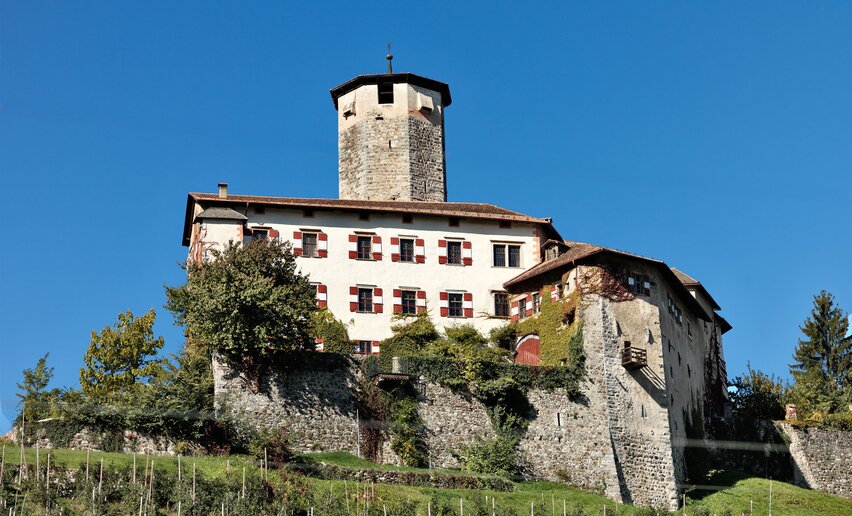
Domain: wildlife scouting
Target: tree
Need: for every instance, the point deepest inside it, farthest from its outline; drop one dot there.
(822, 366)
(246, 302)
(335, 338)
(119, 357)
(757, 397)
(411, 336)
(34, 398)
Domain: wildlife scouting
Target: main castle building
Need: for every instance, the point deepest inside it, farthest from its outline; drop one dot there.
(392, 244)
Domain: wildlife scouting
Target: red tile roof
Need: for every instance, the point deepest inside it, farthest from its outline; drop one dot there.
(466, 210)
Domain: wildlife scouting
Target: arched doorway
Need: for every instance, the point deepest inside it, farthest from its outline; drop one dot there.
(528, 350)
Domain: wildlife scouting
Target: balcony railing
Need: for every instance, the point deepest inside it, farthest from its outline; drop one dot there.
(634, 357)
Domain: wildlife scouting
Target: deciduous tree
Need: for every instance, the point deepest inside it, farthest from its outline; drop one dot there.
(118, 357)
(246, 302)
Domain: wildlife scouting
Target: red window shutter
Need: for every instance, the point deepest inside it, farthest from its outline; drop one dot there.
(377, 347)
(322, 289)
(297, 243)
(322, 252)
(421, 294)
(394, 247)
(397, 306)
(353, 299)
(530, 305)
(353, 247)
(274, 233)
(514, 310)
(420, 257)
(442, 251)
(445, 309)
(468, 304)
(467, 257)
(377, 306)
(377, 240)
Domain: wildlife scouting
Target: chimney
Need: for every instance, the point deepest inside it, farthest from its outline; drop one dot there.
(223, 190)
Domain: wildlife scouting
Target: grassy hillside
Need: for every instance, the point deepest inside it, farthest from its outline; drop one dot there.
(734, 493)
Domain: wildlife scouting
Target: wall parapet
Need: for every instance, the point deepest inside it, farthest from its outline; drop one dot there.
(822, 458)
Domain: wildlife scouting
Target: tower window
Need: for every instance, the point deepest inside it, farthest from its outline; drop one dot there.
(386, 93)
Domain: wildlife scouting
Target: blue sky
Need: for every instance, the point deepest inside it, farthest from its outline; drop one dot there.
(713, 136)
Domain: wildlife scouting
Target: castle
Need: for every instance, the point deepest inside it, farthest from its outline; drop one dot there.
(392, 244)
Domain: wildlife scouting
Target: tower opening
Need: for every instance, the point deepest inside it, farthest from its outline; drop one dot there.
(385, 93)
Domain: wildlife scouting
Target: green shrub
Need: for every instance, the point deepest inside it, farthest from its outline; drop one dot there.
(272, 443)
(496, 456)
(335, 337)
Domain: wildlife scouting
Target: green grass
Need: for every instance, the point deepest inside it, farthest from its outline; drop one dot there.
(740, 493)
(348, 460)
(733, 491)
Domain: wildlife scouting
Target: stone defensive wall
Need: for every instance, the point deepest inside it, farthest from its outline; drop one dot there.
(590, 442)
(822, 458)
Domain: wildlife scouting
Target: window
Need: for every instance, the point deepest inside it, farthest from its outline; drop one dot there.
(689, 329)
(260, 210)
(506, 255)
(365, 248)
(551, 252)
(688, 371)
(259, 234)
(406, 249)
(504, 224)
(407, 218)
(501, 304)
(364, 347)
(454, 252)
(454, 222)
(536, 302)
(409, 302)
(385, 93)
(309, 245)
(308, 213)
(639, 284)
(363, 216)
(455, 304)
(365, 300)
(522, 308)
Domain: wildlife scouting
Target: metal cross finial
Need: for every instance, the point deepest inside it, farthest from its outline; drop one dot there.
(389, 57)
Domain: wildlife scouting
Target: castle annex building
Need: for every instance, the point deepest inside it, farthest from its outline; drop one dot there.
(391, 244)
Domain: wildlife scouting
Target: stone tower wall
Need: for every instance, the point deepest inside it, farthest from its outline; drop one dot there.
(391, 151)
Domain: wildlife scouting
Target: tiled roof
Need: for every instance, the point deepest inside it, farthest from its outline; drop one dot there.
(579, 251)
(467, 210)
(691, 282)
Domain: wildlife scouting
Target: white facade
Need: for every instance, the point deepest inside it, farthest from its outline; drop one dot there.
(339, 273)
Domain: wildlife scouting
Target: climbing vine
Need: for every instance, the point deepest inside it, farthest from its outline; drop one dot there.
(556, 326)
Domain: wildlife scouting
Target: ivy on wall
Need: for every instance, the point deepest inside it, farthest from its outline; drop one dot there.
(556, 326)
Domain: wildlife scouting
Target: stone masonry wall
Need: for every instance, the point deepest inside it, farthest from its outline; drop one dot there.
(317, 407)
(392, 158)
(822, 458)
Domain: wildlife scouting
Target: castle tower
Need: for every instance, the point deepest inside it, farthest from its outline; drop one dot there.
(390, 130)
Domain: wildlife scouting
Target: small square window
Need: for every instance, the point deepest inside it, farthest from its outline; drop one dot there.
(365, 300)
(365, 248)
(363, 216)
(454, 222)
(309, 245)
(407, 218)
(409, 302)
(260, 210)
(308, 213)
(501, 304)
(454, 252)
(364, 347)
(385, 93)
(406, 249)
(505, 224)
(456, 304)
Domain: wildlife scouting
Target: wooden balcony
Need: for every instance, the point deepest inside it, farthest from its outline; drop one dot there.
(631, 357)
